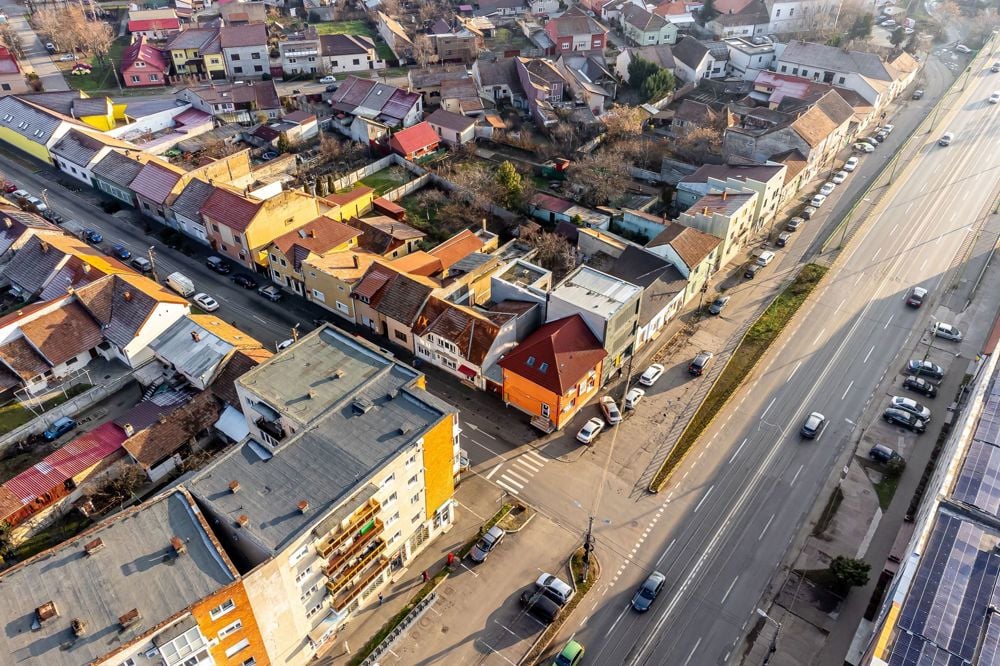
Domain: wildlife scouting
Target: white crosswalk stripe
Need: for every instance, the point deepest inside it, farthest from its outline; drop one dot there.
(535, 457)
(524, 463)
(515, 473)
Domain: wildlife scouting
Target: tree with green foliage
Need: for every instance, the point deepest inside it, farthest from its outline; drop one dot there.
(862, 27)
(639, 70)
(509, 182)
(897, 36)
(657, 85)
(708, 10)
(850, 572)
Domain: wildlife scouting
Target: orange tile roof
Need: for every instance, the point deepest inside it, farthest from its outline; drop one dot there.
(457, 247)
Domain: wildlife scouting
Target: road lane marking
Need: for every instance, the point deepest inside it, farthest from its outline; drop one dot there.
(894, 227)
(740, 448)
(797, 366)
(875, 256)
(841, 305)
(769, 405)
(888, 322)
(923, 265)
(510, 480)
(494, 471)
(531, 468)
(485, 448)
(847, 389)
(731, 586)
(624, 610)
(860, 275)
(765, 527)
(513, 491)
(868, 355)
(536, 457)
(516, 476)
(703, 498)
(795, 478)
(820, 336)
(693, 650)
(480, 430)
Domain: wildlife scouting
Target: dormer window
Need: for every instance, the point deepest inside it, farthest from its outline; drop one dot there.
(530, 362)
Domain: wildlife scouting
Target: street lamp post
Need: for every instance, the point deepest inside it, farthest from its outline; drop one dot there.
(773, 647)
(930, 340)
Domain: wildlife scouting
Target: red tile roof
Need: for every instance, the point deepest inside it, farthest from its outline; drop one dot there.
(155, 182)
(62, 334)
(319, 236)
(230, 209)
(557, 355)
(140, 50)
(238, 36)
(457, 247)
(412, 139)
(141, 25)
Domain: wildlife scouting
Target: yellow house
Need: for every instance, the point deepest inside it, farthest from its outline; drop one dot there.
(197, 51)
(243, 228)
(354, 203)
(330, 279)
(318, 238)
(32, 128)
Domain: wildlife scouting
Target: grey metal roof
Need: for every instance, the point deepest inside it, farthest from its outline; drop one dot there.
(832, 58)
(32, 123)
(32, 266)
(77, 147)
(200, 359)
(136, 568)
(189, 202)
(118, 169)
(331, 461)
(659, 279)
(120, 307)
(596, 292)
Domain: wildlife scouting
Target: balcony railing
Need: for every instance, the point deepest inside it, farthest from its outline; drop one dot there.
(344, 578)
(356, 547)
(326, 547)
(343, 600)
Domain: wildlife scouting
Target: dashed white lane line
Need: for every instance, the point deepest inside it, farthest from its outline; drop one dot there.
(703, 498)
(894, 227)
(868, 355)
(624, 610)
(860, 276)
(693, 650)
(667, 550)
(841, 305)
(847, 389)
(769, 406)
(765, 527)
(923, 265)
(740, 448)
(796, 477)
(875, 256)
(820, 336)
(797, 366)
(494, 470)
(889, 321)
(728, 590)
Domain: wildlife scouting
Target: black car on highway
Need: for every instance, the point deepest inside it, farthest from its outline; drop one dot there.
(245, 281)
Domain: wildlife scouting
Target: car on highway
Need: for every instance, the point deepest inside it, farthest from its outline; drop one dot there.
(205, 302)
(807, 213)
(59, 427)
(903, 419)
(701, 363)
(718, 305)
(947, 332)
(794, 224)
(851, 164)
(827, 189)
(916, 297)
(245, 281)
(270, 292)
(570, 655)
(652, 373)
(917, 94)
(590, 430)
(862, 147)
(633, 397)
(121, 252)
(219, 265)
(910, 405)
(813, 425)
(921, 386)
(487, 544)
(946, 139)
(648, 591)
(92, 237)
(962, 48)
(995, 97)
(918, 367)
(554, 588)
(839, 177)
(611, 412)
(818, 200)
(995, 68)
(328, 79)
(540, 606)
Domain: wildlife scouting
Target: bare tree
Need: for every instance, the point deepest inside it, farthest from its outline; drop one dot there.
(10, 39)
(430, 11)
(623, 121)
(424, 51)
(699, 143)
(554, 252)
(602, 178)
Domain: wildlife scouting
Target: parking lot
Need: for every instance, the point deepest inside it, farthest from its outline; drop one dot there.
(477, 617)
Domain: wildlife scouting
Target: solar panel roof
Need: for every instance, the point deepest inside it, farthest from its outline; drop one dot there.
(988, 429)
(911, 650)
(978, 481)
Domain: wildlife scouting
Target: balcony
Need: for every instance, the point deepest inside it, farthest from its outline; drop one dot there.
(344, 599)
(332, 542)
(272, 428)
(347, 575)
(339, 559)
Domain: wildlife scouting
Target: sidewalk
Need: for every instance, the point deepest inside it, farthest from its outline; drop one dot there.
(36, 58)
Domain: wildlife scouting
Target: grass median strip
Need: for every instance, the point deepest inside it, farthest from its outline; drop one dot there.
(750, 350)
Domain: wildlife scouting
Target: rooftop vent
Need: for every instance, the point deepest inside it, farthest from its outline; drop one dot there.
(178, 545)
(405, 428)
(196, 336)
(391, 395)
(339, 373)
(129, 429)
(7, 222)
(93, 546)
(127, 296)
(362, 405)
(46, 611)
(234, 486)
(130, 619)
(242, 520)
(79, 627)
(303, 506)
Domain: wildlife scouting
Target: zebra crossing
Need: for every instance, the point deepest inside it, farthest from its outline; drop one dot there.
(516, 472)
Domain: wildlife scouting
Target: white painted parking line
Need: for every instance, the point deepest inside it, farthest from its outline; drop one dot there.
(765, 527)
(868, 355)
(669, 546)
(728, 590)
(469, 570)
(847, 389)
(769, 406)
(494, 471)
(740, 448)
(490, 648)
(703, 498)
(516, 476)
(510, 480)
(795, 478)
(507, 629)
(693, 650)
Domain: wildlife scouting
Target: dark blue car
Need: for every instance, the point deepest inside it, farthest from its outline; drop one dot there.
(122, 252)
(92, 236)
(59, 428)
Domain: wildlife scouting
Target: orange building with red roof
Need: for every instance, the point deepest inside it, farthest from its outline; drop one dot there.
(416, 141)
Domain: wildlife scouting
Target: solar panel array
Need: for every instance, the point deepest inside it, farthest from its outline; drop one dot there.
(989, 653)
(988, 429)
(911, 650)
(953, 587)
(978, 481)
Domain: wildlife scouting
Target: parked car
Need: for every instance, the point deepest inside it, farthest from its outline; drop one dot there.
(926, 368)
(92, 237)
(839, 177)
(863, 147)
(570, 655)
(270, 292)
(540, 606)
(794, 224)
(851, 164)
(818, 200)
(648, 591)
(332, 87)
(903, 419)
(764, 258)
(487, 544)
(59, 428)
(142, 264)
(783, 238)
(872, 140)
(962, 48)
(719, 304)
(328, 79)
(284, 344)
(590, 430)
(219, 265)
(910, 405)
(751, 270)
(881, 136)
(245, 281)
(633, 397)
(611, 412)
(995, 97)
(887, 128)
(916, 297)
(917, 94)
(921, 386)
(36, 203)
(205, 302)
(19, 195)
(701, 363)
(947, 332)
(9, 187)
(50, 47)
(121, 252)
(652, 373)
(813, 425)
(827, 189)
(554, 588)
(807, 213)
(883, 454)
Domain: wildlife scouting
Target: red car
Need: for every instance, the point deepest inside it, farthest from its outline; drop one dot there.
(8, 187)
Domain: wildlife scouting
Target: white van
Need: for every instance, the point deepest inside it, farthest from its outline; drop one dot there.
(946, 139)
(181, 284)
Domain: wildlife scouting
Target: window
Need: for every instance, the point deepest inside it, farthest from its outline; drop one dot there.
(543, 368)
(415, 499)
(390, 499)
(791, 12)
(412, 459)
(258, 68)
(417, 518)
(777, 14)
(128, 662)
(413, 480)
(245, 643)
(153, 77)
(283, 263)
(255, 55)
(343, 308)
(252, 661)
(302, 574)
(221, 609)
(530, 362)
(4, 86)
(389, 479)
(784, 69)
(230, 628)
(234, 57)
(399, 335)
(299, 554)
(139, 64)
(355, 62)
(315, 609)
(71, 361)
(393, 518)
(238, 70)
(135, 79)
(841, 80)
(393, 539)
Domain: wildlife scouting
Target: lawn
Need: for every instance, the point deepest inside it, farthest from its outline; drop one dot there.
(356, 27)
(386, 179)
(383, 52)
(886, 488)
(752, 348)
(13, 415)
(102, 77)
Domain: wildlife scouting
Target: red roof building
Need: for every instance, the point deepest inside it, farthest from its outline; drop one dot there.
(11, 77)
(416, 141)
(143, 65)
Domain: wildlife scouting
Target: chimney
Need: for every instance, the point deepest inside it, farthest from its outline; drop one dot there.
(705, 211)
(178, 545)
(44, 246)
(355, 257)
(303, 506)
(196, 336)
(129, 429)
(128, 296)
(724, 193)
(86, 269)
(7, 222)
(79, 627)
(93, 546)
(234, 486)
(46, 611)
(130, 619)
(312, 233)
(162, 418)
(242, 520)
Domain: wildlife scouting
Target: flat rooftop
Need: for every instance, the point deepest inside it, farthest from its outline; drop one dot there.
(596, 292)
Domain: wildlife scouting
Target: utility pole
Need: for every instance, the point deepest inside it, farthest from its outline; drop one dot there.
(588, 546)
(45, 196)
(295, 332)
(152, 261)
(930, 341)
